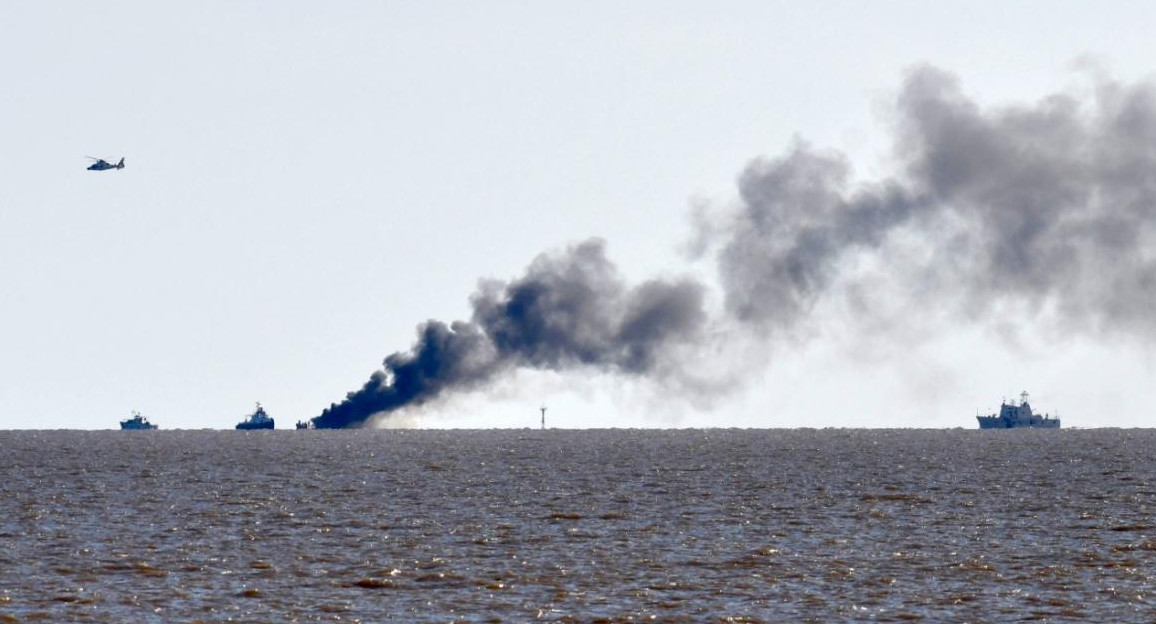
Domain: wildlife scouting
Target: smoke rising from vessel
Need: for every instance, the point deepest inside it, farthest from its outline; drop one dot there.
(1046, 208)
(569, 310)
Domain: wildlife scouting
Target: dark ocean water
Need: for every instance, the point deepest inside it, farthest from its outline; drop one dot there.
(578, 526)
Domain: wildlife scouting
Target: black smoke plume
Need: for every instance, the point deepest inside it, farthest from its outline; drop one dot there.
(1047, 208)
(570, 310)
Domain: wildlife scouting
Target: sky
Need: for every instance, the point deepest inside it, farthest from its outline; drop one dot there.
(796, 214)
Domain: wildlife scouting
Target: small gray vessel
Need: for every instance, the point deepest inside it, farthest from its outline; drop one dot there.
(1020, 416)
(137, 423)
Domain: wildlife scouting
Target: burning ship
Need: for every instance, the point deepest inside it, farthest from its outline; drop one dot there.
(1020, 416)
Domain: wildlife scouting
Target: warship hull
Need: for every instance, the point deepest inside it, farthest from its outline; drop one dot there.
(995, 422)
(268, 424)
(128, 426)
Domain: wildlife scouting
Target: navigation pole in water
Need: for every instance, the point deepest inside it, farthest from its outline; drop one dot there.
(543, 408)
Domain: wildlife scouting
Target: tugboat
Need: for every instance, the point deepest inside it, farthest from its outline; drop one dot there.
(1020, 416)
(257, 420)
(137, 422)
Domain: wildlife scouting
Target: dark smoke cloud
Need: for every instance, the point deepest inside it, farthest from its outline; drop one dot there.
(1058, 197)
(1047, 207)
(570, 310)
(798, 219)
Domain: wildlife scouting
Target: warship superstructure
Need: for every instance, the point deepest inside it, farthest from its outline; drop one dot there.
(1012, 416)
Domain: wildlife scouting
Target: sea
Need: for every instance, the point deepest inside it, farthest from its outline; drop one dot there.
(613, 525)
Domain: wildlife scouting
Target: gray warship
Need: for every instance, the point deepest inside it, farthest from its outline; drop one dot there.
(257, 420)
(137, 423)
(1020, 416)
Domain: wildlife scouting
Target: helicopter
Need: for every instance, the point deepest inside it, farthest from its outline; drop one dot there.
(102, 164)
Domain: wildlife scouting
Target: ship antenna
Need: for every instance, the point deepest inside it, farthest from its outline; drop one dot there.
(1023, 397)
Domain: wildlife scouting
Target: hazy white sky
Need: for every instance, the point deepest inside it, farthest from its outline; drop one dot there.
(306, 183)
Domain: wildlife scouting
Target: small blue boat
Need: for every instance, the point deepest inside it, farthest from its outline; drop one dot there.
(257, 420)
(137, 422)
